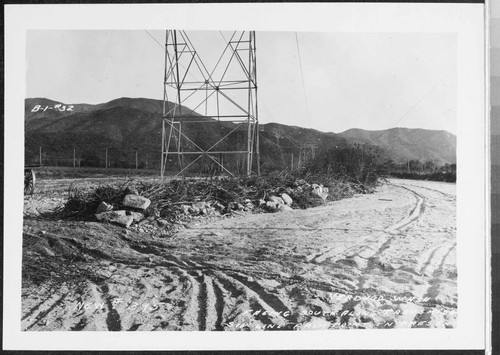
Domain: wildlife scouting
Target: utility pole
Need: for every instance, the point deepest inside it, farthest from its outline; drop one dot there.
(40, 155)
(292, 162)
(106, 166)
(257, 145)
(136, 161)
(74, 157)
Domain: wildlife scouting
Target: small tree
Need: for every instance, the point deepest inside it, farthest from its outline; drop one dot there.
(430, 166)
(415, 166)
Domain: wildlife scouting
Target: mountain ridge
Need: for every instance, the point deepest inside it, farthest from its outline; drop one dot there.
(126, 124)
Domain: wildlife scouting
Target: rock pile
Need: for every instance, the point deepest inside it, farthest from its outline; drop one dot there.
(279, 203)
(134, 207)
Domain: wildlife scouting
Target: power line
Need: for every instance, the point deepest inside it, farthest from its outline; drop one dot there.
(302, 76)
(154, 39)
(421, 99)
(294, 141)
(412, 132)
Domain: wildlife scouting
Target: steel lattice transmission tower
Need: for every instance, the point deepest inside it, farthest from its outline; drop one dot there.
(225, 93)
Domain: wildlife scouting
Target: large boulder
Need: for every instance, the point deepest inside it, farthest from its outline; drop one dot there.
(118, 217)
(136, 201)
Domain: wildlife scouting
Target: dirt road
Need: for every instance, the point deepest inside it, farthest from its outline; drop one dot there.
(384, 260)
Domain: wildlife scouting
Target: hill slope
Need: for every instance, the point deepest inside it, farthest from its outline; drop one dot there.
(403, 144)
(126, 125)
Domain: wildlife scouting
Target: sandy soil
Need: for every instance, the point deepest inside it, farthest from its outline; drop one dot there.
(385, 260)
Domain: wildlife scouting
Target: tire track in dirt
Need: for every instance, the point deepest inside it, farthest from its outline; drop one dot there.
(82, 322)
(200, 292)
(416, 212)
(433, 190)
(206, 291)
(40, 316)
(112, 317)
(209, 305)
(439, 270)
(219, 305)
(80, 325)
(370, 252)
(88, 307)
(366, 245)
(207, 301)
(428, 262)
(210, 299)
(267, 297)
(35, 308)
(265, 307)
(372, 261)
(189, 314)
(236, 295)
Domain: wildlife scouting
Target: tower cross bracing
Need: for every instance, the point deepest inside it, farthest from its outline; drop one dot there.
(226, 93)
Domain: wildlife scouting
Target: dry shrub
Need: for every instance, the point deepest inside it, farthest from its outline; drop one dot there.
(168, 196)
(356, 164)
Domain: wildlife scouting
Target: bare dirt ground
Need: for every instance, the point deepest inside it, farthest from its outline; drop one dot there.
(383, 260)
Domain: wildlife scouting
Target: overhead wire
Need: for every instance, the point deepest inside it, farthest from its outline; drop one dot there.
(302, 76)
(421, 99)
(411, 132)
(154, 39)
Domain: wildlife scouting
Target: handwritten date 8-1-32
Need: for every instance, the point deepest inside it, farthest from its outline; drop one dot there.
(57, 107)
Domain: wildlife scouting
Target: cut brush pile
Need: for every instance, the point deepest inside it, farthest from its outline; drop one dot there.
(178, 200)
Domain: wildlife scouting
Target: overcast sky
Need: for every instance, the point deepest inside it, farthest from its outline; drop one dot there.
(350, 80)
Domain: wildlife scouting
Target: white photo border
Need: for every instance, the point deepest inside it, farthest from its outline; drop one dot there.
(465, 20)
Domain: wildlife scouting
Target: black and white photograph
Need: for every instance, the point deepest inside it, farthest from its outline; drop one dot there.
(248, 179)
